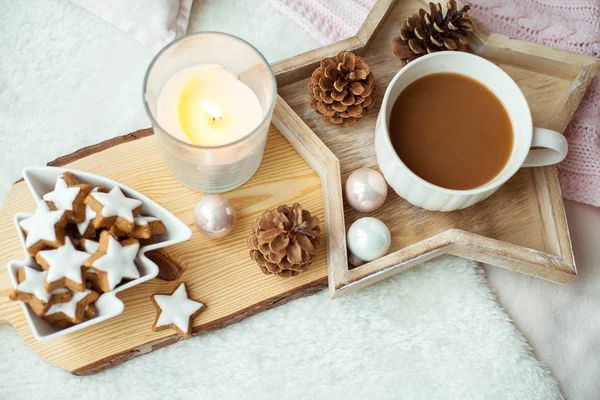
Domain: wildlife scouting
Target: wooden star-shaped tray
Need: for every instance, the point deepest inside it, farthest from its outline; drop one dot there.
(521, 227)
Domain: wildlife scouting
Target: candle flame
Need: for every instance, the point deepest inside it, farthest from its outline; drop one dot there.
(212, 109)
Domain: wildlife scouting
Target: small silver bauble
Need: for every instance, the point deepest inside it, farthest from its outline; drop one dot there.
(368, 239)
(366, 190)
(214, 216)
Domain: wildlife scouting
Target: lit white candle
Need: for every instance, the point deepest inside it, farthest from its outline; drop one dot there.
(210, 97)
(208, 105)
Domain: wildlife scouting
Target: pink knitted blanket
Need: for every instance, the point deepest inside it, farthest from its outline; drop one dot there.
(572, 25)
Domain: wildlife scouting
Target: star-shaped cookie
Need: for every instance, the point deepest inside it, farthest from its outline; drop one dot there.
(64, 266)
(31, 290)
(176, 310)
(44, 229)
(72, 311)
(68, 195)
(144, 228)
(114, 208)
(114, 261)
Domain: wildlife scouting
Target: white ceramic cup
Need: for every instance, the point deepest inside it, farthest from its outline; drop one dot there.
(551, 146)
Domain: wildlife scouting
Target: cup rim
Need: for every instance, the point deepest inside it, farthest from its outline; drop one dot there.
(509, 81)
(154, 122)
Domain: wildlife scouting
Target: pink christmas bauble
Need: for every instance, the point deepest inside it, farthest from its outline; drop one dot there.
(366, 190)
(214, 216)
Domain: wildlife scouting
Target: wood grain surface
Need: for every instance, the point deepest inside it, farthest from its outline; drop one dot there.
(218, 272)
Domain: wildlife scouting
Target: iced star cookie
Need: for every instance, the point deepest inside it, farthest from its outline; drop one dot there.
(90, 312)
(144, 228)
(89, 226)
(31, 290)
(64, 266)
(44, 229)
(114, 208)
(72, 311)
(114, 261)
(176, 310)
(68, 195)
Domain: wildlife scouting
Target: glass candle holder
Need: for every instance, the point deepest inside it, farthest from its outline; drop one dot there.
(228, 146)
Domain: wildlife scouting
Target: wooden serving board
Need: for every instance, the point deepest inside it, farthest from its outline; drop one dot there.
(219, 273)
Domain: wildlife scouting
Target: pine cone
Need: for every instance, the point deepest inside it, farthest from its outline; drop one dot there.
(429, 32)
(342, 88)
(284, 241)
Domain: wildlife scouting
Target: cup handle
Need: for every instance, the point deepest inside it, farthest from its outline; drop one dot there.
(552, 148)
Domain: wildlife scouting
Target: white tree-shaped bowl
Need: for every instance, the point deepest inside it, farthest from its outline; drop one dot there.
(40, 181)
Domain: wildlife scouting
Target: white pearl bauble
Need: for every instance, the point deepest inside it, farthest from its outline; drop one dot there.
(366, 190)
(368, 239)
(214, 216)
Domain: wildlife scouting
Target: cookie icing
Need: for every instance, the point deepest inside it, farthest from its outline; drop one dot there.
(176, 308)
(41, 225)
(115, 204)
(69, 308)
(118, 262)
(62, 196)
(141, 220)
(64, 262)
(91, 246)
(34, 284)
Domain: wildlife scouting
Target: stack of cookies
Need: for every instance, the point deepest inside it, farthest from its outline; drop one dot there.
(85, 241)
